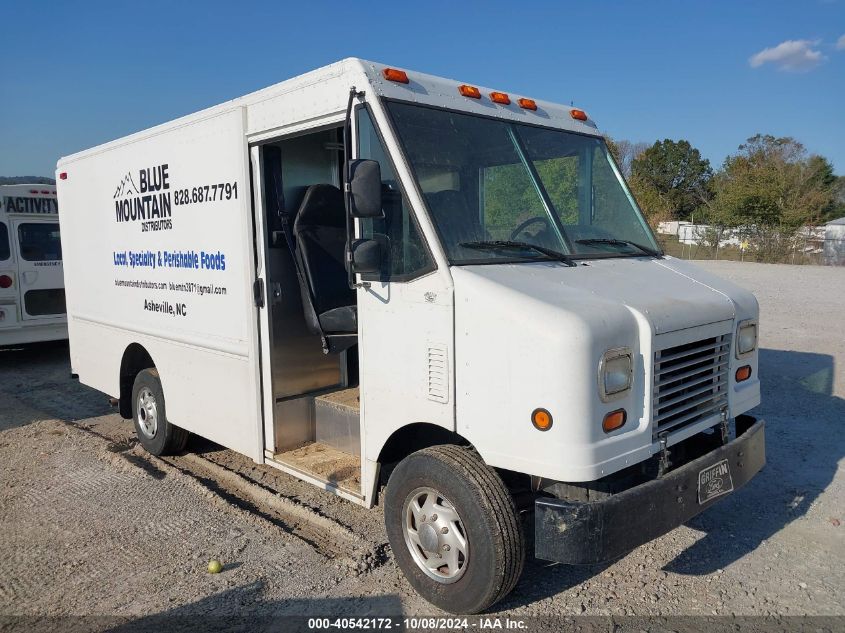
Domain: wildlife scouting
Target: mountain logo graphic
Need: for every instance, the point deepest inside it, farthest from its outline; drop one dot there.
(126, 187)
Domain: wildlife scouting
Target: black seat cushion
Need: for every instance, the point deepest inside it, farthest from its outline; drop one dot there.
(320, 233)
(343, 319)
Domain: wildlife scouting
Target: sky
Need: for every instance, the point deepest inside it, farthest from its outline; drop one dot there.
(76, 74)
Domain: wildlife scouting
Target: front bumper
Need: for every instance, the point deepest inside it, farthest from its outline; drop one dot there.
(584, 533)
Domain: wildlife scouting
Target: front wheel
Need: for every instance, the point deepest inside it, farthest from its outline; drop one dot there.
(454, 529)
(155, 433)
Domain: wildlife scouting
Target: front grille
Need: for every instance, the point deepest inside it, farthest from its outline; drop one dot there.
(690, 383)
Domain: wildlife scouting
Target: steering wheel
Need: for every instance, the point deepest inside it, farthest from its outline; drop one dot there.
(530, 221)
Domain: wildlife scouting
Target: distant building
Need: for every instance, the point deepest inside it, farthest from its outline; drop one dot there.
(834, 243)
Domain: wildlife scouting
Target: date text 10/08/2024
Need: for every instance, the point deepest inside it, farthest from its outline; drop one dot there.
(417, 623)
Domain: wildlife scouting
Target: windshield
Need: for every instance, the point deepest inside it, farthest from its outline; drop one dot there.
(490, 183)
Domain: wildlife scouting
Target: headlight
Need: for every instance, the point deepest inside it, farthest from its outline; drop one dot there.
(615, 373)
(746, 338)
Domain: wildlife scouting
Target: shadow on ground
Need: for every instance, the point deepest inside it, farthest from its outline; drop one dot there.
(244, 609)
(240, 609)
(35, 385)
(804, 444)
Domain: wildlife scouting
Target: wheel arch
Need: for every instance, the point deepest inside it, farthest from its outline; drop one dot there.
(135, 358)
(419, 435)
(410, 439)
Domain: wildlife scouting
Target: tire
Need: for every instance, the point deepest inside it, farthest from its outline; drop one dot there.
(455, 482)
(149, 416)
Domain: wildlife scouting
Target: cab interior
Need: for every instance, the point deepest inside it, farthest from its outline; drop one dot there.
(312, 309)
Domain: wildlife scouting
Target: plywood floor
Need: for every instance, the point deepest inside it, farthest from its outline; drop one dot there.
(327, 463)
(344, 399)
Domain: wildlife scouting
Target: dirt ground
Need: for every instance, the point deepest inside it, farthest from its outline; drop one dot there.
(92, 525)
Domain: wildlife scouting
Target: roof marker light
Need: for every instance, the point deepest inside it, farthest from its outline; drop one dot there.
(527, 104)
(33, 191)
(578, 114)
(469, 91)
(392, 74)
(500, 97)
(63, 175)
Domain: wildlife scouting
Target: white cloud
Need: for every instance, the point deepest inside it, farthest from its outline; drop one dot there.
(840, 43)
(792, 55)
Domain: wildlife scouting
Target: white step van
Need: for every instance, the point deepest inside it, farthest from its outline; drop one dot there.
(32, 294)
(367, 277)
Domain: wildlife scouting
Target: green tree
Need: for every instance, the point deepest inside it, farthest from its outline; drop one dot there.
(672, 176)
(773, 182)
(838, 210)
(822, 171)
(624, 152)
(772, 187)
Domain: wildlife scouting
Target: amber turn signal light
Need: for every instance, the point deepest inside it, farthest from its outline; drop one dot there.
(541, 419)
(578, 114)
(392, 74)
(469, 91)
(743, 373)
(528, 104)
(500, 97)
(614, 420)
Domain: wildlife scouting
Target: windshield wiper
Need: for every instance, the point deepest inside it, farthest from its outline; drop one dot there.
(617, 242)
(510, 244)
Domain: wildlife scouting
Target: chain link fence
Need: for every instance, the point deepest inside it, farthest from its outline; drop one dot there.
(821, 246)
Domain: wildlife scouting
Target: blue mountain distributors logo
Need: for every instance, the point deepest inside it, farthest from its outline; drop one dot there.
(126, 187)
(147, 202)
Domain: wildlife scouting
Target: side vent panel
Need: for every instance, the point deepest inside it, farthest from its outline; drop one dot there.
(438, 373)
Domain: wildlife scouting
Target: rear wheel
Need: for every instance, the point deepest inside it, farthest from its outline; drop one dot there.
(454, 529)
(155, 433)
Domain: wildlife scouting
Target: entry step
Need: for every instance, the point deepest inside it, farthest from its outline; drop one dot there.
(337, 420)
(325, 462)
(345, 399)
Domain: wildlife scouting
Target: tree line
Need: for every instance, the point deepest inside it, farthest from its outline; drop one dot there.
(770, 187)
(26, 180)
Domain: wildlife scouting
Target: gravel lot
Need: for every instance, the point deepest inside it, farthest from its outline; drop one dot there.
(94, 526)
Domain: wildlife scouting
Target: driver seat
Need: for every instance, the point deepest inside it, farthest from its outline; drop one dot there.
(320, 232)
(453, 216)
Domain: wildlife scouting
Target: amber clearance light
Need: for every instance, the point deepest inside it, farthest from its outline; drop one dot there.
(743, 373)
(578, 114)
(469, 91)
(614, 420)
(527, 104)
(541, 419)
(392, 74)
(500, 97)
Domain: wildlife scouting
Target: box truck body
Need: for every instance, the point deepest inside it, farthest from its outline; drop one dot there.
(494, 305)
(32, 296)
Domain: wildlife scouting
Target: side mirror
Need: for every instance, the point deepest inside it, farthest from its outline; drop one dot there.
(365, 186)
(366, 257)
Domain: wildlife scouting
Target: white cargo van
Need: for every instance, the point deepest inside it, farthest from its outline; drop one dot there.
(366, 276)
(32, 294)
